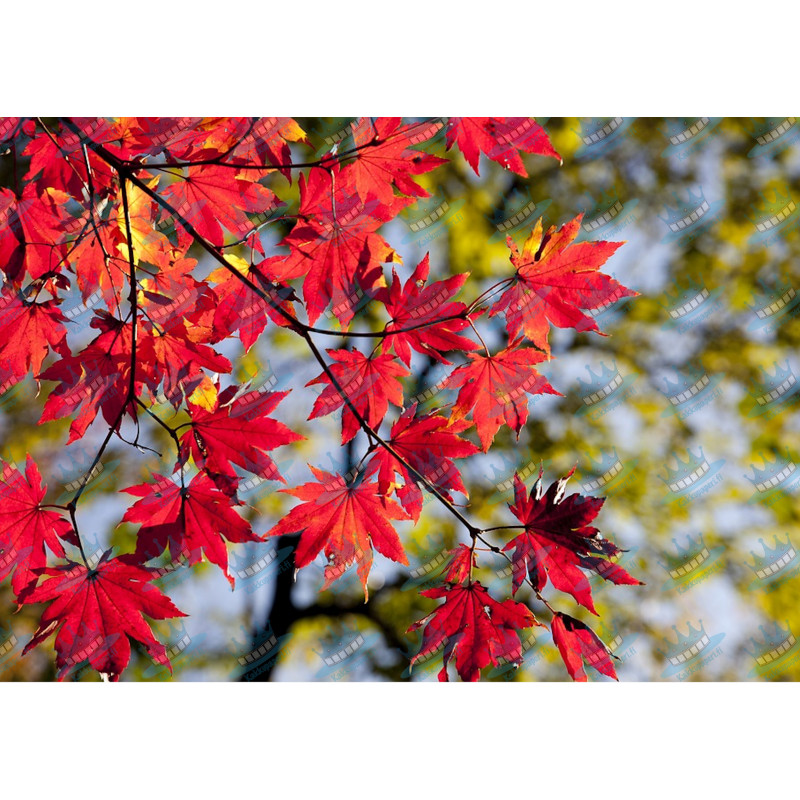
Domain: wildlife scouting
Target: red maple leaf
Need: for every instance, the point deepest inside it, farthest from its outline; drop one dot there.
(214, 197)
(236, 430)
(26, 527)
(31, 232)
(558, 541)
(239, 308)
(27, 332)
(335, 246)
(97, 378)
(344, 520)
(554, 280)
(197, 518)
(415, 305)
(428, 443)
(94, 612)
(384, 159)
(180, 360)
(459, 568)
(576, 641)
(370, 383)
(478, 628)
(496, 388)
(500, 138)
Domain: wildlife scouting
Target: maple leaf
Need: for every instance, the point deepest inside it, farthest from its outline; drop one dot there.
(236, 430)
(344, 520)
(576, 641)
(268, 141)
(415, 304)
(555, 279)
(148, 242)
(478, 628)
(459, 568)
(31, 234)
(499, 138)
(211, 198)
(335, 246)
(197, 519)
(26, 527)
(93, 612)
(181, 361)
(370, 383)
(384, 159)
(558, 541)
(239, 308)
(429, 444)
(97, 378)
(27, 332)
(496, 388)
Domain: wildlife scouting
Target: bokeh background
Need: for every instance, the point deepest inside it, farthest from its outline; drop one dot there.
(684, 417)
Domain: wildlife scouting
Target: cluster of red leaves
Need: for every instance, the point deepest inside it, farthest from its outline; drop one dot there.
(110, 207)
